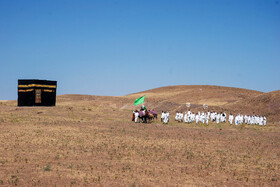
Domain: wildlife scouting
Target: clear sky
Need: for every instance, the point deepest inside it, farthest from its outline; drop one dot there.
(124, 46)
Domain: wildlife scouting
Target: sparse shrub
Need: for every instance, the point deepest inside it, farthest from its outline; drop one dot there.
(14, 180)
(56, 157)
(73, 182)
(48, 167)
(133, 184)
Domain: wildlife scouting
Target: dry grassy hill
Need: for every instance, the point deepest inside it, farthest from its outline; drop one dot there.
(198, 94)
(218, 98)
(211, 95)
(91, 141)
(173, 98)
(265, 104)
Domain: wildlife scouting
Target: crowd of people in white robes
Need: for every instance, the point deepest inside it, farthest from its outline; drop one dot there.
(179, 116)
(215, 117)
(249, 120)
(206, 117)
(201, 117)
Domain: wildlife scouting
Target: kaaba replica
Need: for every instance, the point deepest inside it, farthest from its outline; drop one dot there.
(34, 92)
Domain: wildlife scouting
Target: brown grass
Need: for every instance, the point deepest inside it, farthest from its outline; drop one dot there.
(88, 140)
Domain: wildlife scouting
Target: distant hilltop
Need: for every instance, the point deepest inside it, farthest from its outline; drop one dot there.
(218, 98)
(174, 98)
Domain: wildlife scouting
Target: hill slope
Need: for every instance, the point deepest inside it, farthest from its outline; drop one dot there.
(173, 98)
(218, 98)
(198, 94)
(91, 141)
(264, 104)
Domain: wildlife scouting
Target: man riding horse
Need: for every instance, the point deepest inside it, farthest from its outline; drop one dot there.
(146, 115)
(143, 114)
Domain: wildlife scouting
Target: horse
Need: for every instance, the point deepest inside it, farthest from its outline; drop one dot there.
(154, 113)
(147, 116)
(143, 114)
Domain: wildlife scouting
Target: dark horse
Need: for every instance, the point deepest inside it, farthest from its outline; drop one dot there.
(147, 116)
(143, 114)
(153, 114)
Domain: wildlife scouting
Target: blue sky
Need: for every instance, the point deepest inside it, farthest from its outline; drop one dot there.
(120, 47)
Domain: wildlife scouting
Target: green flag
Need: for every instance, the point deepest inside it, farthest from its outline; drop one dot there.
(139, 101)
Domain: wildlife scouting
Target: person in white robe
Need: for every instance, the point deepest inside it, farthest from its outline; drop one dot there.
(218, 118)
(236, 120)
(177, 116)
(264, 120)
(165, 118)
(136, 115)
(196, 118)
(162, 116)
(230, 119)
(207, 117)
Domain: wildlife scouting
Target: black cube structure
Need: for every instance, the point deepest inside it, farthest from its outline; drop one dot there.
(34, 92)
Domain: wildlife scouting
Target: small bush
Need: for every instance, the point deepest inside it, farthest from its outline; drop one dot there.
(48, 167)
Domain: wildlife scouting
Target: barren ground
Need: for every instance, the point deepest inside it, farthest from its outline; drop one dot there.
(91, 141)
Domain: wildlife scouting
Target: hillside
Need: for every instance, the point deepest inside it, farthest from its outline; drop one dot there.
(218, 98)
(264, 104)
(173, 98)
(198, 94)
(91, 141)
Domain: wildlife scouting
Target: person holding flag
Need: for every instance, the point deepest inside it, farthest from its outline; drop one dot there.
(143, 111)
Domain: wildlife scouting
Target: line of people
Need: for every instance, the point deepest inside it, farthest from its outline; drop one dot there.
(249, 120)
(205, 117)
(200, 117)
(215, 117)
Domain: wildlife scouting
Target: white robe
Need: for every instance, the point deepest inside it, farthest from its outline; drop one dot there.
(136, 114)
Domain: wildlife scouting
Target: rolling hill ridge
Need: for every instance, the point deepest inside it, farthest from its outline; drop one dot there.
(174, 98)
